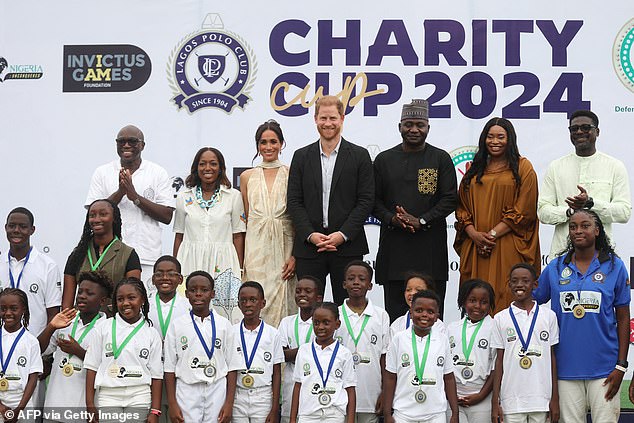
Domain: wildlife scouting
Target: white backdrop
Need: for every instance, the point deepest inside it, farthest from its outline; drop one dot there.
(53, 140)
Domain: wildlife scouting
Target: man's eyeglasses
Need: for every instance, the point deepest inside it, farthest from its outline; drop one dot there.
(132, 142)
(584, 128)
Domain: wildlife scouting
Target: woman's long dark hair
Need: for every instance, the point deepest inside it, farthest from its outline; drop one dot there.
(194, 180)
(481, 159)
(78, 255)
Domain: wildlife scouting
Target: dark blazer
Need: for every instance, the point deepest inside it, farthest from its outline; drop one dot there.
(351, 198)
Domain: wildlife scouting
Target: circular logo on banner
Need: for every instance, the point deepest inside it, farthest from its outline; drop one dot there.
(212, 68)
(462, 158)
(622, 55)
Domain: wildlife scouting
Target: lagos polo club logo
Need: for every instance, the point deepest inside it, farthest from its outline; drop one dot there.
(211, 68)
(622, 55)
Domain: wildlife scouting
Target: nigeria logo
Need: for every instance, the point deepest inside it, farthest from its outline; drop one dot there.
(622, 55)
(211, 68)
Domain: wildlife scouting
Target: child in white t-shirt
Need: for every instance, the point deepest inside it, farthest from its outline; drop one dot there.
(324, 374)
(415, 282)
(473, 356)
(68, 334)
(419, 380)
(295, 331)
(123, 359)
(258, 358)
(366, 332)
(199, 383)
(525, 335)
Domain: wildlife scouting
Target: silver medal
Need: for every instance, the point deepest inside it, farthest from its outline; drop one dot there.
(324, 399)
(420, 397)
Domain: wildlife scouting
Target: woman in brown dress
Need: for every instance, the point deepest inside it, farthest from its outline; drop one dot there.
(497, 224)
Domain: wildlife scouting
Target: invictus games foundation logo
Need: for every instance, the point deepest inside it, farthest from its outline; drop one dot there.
(622, 56)
(105, 68)
(19, 71)
(211, 68)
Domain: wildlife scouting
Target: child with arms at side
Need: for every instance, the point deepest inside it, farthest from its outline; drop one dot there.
(473, 356)
(324, 375)
(525, 376)
(258, 357)
(365, 332)
(20, 358)
(420, 391)
(200, 386)
(295, 331)
(123, 359)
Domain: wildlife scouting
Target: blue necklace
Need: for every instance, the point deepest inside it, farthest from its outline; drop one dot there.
(207, 204)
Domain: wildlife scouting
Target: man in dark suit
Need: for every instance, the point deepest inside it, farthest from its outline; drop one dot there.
(330, 195)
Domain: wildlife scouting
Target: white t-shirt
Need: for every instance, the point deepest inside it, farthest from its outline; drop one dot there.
(400, 361)
(41, 281)
(404, 322)
(25, 359)
(481, 359)
(139, 362)
(514, 395)
(139, 230)
(69, 391)
(287, 335)
(341, 376)
(269, 352)
(181, 307)
(373, 343)
(185, 355)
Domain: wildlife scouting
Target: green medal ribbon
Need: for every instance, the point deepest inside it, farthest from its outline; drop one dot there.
(466, 350)
(117, 351)
(420, 367)
(164, 323)
(95, 266)
(350, 331)
(85, 332)
(310, 332)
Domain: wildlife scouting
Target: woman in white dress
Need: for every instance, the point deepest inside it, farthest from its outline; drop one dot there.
(209, 224)
(269, 240)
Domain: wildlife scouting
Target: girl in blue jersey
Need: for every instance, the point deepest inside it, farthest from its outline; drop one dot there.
(589, 291)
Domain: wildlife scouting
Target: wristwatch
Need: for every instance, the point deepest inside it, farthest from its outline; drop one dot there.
(137, 201)
(493, 233)
(422, 221)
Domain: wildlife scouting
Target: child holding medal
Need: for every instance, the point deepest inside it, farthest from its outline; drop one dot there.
(166, 305)
(258, 357)
(324, 374)
(365, 332)
(123, 359)
(420, 390)
(473, 357)
(68, 333)
(20, 360)
(200, 385)
(525, 334)
(295, 331)
(415, 282)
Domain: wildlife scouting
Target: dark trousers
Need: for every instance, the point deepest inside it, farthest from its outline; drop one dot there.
(324, 264)
(394, 298)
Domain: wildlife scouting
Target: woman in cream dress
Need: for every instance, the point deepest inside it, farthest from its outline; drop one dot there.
(269, 238)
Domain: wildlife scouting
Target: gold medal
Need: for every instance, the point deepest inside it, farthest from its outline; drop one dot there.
(68, 370)
(113, 371)
(526, 362)
(4, 384)
(248, 381)
(578, 311)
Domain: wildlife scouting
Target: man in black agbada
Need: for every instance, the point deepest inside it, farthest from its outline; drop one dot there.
(415, 191)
